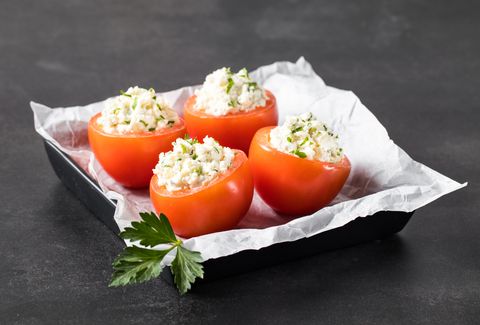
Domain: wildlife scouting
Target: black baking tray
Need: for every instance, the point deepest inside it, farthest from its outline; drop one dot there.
(377, 226)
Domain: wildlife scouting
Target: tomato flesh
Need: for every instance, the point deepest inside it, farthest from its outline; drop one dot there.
(218, 206)
(130, 157)
(291, 185)
(232, 130)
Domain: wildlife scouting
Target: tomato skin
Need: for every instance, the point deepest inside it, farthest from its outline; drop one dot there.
(129, 158)
(218, 206)
(291, 185)
(233, 130)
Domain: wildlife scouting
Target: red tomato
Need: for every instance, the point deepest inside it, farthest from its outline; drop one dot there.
(218, 206)
(234, 130)
(129, 158)
(291, 185)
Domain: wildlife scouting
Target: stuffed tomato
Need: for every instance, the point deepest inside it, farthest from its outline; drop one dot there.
(230, 107)
(298, 168)
(130, 133)
(202, 187)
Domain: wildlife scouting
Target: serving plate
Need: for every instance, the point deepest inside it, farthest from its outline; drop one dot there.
(377, 226)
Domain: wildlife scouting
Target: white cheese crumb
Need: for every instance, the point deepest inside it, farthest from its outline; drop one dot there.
(192, 164)
(225, 92)
(137, 110)
(306, 137)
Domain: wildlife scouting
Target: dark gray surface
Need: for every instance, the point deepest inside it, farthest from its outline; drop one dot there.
(415, 64)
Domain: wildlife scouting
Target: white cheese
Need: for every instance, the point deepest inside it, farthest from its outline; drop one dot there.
(225, 92)
(137, 110)
(306, 137)
(192, 164)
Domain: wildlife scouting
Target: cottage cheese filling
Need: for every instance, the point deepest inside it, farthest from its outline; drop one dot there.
(225, 92)
(306, 137)
(192, 164)
(137, 110)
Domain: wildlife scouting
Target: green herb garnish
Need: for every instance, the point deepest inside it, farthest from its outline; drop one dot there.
(230, 84)
(170, 122)
(300, 128)
(134, 105)
(304, 141)
(136, 264)
(124, 93)
(289, 139)
(151, 129)
(300, 154)
(144, 123)
(232, 103)
(243, 72)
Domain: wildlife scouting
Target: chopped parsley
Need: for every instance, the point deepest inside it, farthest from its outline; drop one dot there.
(134, 105)
(124, 93)
(300, 128)
(300, 154)
(230, 84)
(243, 73)
(304, 141)
(232, 103)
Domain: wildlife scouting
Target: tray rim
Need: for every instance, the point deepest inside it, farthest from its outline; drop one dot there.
(219, 267)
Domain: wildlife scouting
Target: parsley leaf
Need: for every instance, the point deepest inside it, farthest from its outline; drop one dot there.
(186, 268)
(137, 264)
(151, 231)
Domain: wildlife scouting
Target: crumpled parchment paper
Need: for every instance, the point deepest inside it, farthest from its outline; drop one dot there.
(383, 176)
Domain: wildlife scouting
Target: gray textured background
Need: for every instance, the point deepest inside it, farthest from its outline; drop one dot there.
(415, 64)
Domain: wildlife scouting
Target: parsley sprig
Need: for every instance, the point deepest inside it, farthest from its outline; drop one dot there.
(137, 264)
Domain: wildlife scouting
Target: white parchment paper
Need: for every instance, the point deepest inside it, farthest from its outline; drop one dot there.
(383, 176)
